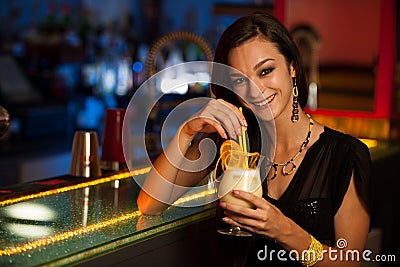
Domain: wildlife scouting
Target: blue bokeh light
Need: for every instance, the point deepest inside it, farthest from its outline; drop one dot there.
(137, 66)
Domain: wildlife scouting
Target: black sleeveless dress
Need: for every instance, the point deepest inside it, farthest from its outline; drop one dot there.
(314, 195)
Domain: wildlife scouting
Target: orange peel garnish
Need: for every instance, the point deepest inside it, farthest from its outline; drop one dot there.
(232, 156)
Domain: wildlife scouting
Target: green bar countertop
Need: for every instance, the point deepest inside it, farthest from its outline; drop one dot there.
(72, 223)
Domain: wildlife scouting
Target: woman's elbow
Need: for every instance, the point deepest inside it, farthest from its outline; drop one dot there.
(148, 205)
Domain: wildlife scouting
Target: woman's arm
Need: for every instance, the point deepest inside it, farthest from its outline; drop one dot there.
(175, 170)
(163, 180)
(351, 223)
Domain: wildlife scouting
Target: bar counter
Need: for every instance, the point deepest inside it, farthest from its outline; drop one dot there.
(64, 221)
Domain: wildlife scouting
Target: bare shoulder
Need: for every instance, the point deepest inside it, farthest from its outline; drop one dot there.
(317, 130)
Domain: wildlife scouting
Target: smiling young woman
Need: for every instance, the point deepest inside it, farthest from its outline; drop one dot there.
(318, 189)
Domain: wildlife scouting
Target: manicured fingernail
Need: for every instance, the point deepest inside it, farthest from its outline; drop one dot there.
(225, 219)
(235, 192)
(239, 131)
(244, 122)
(222, 205)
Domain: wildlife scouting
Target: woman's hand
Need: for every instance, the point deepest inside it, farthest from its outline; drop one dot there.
(217, 116)
(265, 219)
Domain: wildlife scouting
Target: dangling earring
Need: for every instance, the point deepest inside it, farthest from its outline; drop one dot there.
(295, 111)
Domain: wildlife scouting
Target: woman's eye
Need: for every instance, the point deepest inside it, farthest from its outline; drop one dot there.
(239, 80)
(266, 71)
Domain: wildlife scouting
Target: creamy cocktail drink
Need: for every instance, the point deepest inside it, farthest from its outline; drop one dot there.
(241, 171)
(239, 179)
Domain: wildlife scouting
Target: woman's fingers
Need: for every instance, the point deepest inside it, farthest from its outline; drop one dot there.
(236, 110)
(218, 115)
(233, 115)
(203, 124)
(264, 219)
(243, 225)
(228, 115)
(258, 202)
(215, 125)
(262, 212)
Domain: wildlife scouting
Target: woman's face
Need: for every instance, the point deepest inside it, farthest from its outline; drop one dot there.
(271, 87)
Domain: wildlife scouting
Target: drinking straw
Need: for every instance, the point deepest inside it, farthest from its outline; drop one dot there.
(244, 147)
(241, 142)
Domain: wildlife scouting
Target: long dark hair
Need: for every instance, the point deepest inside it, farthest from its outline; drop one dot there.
(268, 27)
